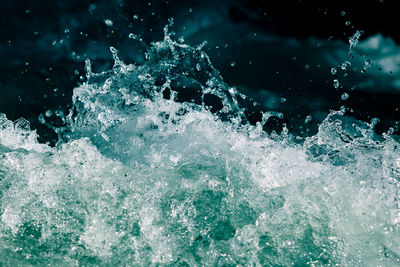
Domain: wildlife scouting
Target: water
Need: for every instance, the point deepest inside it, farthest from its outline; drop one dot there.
(159, 166)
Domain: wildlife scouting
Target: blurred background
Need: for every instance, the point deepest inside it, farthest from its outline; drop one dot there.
(289, 56)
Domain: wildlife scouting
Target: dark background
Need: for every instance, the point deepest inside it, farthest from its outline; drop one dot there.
(43, 45)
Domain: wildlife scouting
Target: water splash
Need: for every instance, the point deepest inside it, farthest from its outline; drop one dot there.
(158, 166)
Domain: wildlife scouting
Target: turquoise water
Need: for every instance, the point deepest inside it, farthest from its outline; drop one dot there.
(141, 179)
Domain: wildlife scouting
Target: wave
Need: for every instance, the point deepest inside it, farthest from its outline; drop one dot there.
(158, 165)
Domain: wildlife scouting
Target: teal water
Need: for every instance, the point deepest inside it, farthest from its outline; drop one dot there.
(142, 180)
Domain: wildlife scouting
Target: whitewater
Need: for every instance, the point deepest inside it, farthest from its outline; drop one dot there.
(139, 178)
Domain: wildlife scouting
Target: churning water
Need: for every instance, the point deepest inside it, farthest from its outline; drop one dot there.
(139, 178)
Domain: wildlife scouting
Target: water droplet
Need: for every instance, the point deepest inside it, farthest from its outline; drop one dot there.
(48, 113)
(308, 119)
(41, 119)
(108, 22)
(345, 96)
(336, 83)
(353, 40)
(345, 65)
(367, 65)
(200, 46)
(348, 23)
(132, 36)
(59, 113)
(190, 10)
(233, 63)
(283, 100)
(343, 13)
(66, 30)
(135, 17)
(198, 67)
(307, 67)
(333, 71)
(92, 8)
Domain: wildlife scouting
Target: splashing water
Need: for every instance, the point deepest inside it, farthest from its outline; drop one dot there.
(353, 41)
(158, 166)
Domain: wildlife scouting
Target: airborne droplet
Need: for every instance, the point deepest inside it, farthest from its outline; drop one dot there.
(108, 22)
(336, 83)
